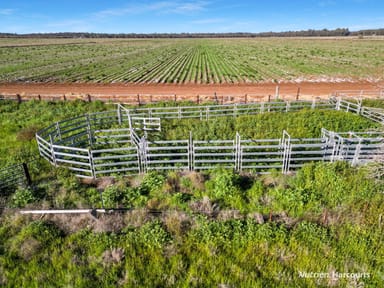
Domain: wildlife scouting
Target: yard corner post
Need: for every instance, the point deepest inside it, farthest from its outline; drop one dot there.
(238, 165)
(286, 148)
(356, 155)
(52, 150)
(89, 130)
(191, 155)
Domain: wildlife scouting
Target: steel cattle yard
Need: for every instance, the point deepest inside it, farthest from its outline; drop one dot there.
(121, 142)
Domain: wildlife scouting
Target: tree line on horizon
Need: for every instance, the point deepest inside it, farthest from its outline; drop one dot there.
(303, 33)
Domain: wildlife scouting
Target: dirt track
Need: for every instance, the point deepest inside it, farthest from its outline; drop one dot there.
(305, 89)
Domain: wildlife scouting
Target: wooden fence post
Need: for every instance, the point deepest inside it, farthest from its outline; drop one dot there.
(191, 152)
(277, 92)
(89, 130)
(26, 174)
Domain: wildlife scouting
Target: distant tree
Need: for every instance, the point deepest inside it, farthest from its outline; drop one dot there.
(339, 32)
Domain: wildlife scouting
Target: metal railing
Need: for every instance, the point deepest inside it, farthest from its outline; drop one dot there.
(14, 175)
(211, 111)
(359, 93)
(374, 114)
(110, 143)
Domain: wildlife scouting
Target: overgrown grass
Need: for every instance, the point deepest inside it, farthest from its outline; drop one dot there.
(327, 211)
(302, 124)
(376, 103)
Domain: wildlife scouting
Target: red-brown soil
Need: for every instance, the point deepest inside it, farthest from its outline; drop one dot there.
(123, 92)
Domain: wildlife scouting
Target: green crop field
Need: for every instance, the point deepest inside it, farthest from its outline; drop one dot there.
(189, 60)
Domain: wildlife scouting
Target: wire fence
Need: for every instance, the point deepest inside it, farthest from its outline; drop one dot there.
(14, 175)
(230, 110)
(373, 94)
(215, 97)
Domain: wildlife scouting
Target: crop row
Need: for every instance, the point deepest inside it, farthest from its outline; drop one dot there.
(191, 60)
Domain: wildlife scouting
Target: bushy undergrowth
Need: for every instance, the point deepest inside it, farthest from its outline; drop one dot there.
(302, 124)
(326, 211)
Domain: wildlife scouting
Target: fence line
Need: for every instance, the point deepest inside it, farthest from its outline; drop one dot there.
(374, 114)
(359, 93)
(140, 98)
(211, 111)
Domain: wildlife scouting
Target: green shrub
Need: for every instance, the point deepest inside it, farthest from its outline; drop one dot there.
(22, 197)
(112, 196)
(134, 198)
(94, 197)
(152, 182)
(254, 195)
(152, 235)
(223, 184)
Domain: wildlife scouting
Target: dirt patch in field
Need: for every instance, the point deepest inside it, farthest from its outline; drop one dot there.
(126, 92)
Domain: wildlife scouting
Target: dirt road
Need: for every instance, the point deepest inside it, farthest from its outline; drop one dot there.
(304, 89)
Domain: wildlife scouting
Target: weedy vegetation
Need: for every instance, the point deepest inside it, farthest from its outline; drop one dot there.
(193, 229)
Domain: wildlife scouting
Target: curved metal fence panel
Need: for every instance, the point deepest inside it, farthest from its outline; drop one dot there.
(117, 142)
